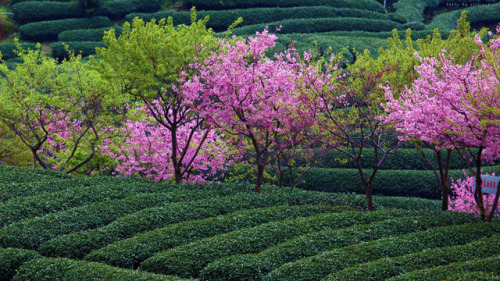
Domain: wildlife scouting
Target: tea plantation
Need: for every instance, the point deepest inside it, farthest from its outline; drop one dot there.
(59, 227)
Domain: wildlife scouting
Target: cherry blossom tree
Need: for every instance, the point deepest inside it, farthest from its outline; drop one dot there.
(245, 94)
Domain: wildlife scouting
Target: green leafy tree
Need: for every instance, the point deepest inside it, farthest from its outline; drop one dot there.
(148, 64)
(57, 111)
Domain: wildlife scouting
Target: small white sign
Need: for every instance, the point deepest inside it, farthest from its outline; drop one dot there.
(489, 184)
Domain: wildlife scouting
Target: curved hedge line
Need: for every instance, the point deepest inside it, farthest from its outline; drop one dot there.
(388, 267)
(38, 205)
(11, 259)
(95, 34)
(415, 35)
(257, 266)
(83, 48)
(129, 253)
(321, 25)
(34, 186)
(117, 9)
(234, 4)
(187, 261)
(60, 269)
(411, 183)
(476, 276)
(44, 31)
(39, 11)
(321, 265)
(7, 49)
(479, 16)
(20, 175)
(221, 20)
(13, 2)
(79, 244)
(30, 234)
(490, 265)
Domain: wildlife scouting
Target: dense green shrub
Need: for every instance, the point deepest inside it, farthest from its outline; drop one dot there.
(188, 260)
(38, 184)
(389, 267)
(415, 34)
(221, 20)
(414, 25)
(129, 253)
(79, 244)
(411, 183)
(234, 4)
(321, 265)
(476, 276)
(60, 269)
(39, 11)
(85, 49)
(490, 265)
(44, 31)
(402, 159)
(321, 25)
(19, 175)
(13, 2)
(478, 16)
(23, 208)
(257, 266)
(7, 50)
(31, 233)
(87, 34)
(397, 18)
(117, 9)
(11, 259)
(413, 10)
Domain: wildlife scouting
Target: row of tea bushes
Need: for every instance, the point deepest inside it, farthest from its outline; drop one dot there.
(31, 233)
(186, 261)
(477, 270)
(60, 269)
(388, 267)
(329, 262)
(478, 16)
(220, 20)
(129, 253)
(257, 266)
(79, 244)
(321, 25)
(372, 5)
(88, 35)
(44, 31)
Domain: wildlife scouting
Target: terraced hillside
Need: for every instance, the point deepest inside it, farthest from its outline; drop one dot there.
(357, 25)
(58, 227)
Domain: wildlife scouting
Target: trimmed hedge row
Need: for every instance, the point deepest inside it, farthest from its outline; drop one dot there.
(19, 175)
(60, 269)
(321, 265)
(11, 259)
(87, 34)
(13, 2)
(44, 31)
(321, 25)
(411, 183)
(490, 265)
(32, 11)
(117, 9)
(79, 244)
(415, 35)
(23, 208)
(187, 261)
(389, 267)
(478, 16)
(84, 48)
(30, 234)
(402, 159)
(234, 4)
(129, 253)
(7, 49)
(476, 276)
(257, 266)
(45, 185)
(221, 20)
